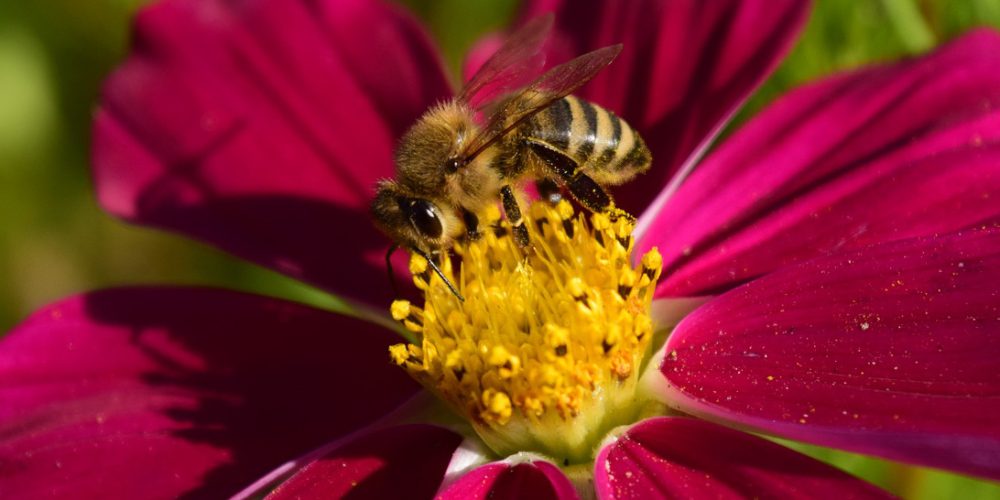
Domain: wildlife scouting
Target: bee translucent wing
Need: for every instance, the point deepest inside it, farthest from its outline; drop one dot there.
(515, 64)
(555, 84)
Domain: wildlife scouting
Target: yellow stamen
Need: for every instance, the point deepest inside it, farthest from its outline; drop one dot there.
(544, 353)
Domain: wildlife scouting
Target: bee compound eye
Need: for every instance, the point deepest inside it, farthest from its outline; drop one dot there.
(423, 216)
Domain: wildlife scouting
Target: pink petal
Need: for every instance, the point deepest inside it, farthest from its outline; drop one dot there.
(889, 350)
(480, 53)
(502, 480)
(686, 67)
(381, 464)
(883, 154)
(261, 126)
(163, 392)
(677, 457)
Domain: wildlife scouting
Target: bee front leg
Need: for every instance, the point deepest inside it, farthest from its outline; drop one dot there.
(471, 225)
(513, 211)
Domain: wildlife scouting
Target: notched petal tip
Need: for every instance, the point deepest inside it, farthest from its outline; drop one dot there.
(504, 480)
(686, 458)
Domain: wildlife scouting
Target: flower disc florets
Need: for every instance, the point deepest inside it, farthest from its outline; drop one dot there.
(545, 352)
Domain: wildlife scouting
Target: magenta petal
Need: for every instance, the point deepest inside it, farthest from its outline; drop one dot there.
(888, 153)
(139, 393)
(381, 464)
(677, 457)
(890, 350)
(502, 480)
(261, 127)
(480, 53)
(686, 67)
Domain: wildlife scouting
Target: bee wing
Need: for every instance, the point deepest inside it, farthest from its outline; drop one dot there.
(555, 84)
(516, 63)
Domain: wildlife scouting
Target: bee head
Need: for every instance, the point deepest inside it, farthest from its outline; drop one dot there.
(412, 221)
(429, 150)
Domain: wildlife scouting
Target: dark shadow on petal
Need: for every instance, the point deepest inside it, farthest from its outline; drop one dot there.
(323, 243)
(262, 380)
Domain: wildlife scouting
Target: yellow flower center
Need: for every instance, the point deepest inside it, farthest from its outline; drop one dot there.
(545, 352)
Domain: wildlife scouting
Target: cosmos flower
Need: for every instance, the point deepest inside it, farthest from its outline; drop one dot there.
(829, 272)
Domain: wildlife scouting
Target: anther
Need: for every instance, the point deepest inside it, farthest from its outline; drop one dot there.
(568, 227)
(577, 289)
(544, 337)
(411, 317)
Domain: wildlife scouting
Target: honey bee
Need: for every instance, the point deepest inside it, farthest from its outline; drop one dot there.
(452, 163)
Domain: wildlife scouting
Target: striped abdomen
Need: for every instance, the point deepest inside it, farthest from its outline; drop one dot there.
(605, 146)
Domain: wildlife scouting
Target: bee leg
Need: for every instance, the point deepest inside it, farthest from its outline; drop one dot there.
(471, 225)
(586, 190)
(513, 211)
(549, 190)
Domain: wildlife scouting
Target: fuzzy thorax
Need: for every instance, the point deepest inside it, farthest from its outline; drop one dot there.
(545, 352)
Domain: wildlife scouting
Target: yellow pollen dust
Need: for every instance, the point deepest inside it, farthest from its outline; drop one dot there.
(545, 351)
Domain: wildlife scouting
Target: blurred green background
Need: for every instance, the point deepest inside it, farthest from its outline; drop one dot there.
(54, 241)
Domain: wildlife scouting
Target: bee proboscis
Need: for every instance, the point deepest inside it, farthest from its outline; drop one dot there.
(451, 164)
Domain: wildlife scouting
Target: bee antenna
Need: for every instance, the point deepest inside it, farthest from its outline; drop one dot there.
(439, 273)
(388, 266)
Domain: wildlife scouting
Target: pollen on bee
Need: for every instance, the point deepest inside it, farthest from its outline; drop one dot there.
(551, 337)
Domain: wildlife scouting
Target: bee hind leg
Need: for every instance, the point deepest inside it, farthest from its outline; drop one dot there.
(584, 189)
(471, 225)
